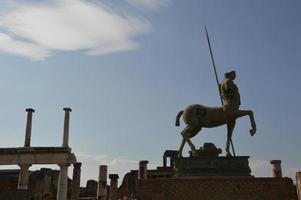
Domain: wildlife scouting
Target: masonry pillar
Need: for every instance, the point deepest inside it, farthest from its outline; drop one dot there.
(113, 186)
(28, 127)
(142, 174)
(66, 126)
(23, 176)
(76, 181)
(298, 184)
(63, 182)
(277, 172)
(102, 183)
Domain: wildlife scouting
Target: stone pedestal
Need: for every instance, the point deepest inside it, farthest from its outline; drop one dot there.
(102, 183)
(23, 177)
(206, 162)
(113, 186)
(63, 183)
(221, 166)
(298, 184)
(76, 181)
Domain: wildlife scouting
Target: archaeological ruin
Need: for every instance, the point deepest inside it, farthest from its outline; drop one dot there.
(204, 174)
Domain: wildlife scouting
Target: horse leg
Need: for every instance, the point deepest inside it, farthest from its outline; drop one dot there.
(242, 113)
(230, 128)
(181, 148)
(188, 132)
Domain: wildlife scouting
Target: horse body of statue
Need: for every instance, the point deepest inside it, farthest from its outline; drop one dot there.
(198, 116)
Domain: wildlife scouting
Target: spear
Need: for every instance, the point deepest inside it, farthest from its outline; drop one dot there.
(216, 77)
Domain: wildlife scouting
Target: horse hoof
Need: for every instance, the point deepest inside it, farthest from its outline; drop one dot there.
(252, 131)
(228, 155)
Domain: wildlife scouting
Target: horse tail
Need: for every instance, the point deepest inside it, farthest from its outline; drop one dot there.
(178, 118)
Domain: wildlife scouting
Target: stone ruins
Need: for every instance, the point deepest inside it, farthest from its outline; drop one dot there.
(203, 174)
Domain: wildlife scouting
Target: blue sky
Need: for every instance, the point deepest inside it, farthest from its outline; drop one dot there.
(127, 67)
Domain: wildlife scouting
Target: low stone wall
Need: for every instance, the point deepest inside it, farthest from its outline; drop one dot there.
(216, 188)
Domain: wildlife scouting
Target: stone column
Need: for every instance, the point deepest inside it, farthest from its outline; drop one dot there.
(28, 127)
(76, 181)
(142, 174)
(113, 186)
(277, 172)
(102, 183)
(62, 188)
(298, 184)
(23, 176)
(66, 127)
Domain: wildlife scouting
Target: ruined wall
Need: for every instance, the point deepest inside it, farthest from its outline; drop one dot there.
(216, 188)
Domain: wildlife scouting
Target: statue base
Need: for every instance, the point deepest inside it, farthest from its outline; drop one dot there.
(206, 162)
(220, 166)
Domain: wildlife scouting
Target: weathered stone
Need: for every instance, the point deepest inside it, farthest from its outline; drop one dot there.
(298, 184)
(206, 166)
(277, 171)
(217, 188)
(66, 126)
(209, 150)
(76, 181)
(28, 127)
(143, 169)
(63, 182)
(23, 177)
(113, 186)
(102, 183)
(36, 155)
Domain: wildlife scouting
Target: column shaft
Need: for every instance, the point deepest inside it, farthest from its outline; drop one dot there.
(298, 184)
(66, 127)
(63, 183)
(23, 177)
(76, 181)
(102, 183)
(142, 174)
(277, 171)
(28, 127)
(113, 186)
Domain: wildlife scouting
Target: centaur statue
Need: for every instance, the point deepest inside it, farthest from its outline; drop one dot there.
(198, 116)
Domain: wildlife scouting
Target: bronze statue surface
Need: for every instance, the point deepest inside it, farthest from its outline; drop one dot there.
(198, 116)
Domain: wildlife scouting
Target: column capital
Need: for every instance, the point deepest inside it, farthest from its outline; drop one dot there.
(143, 162)
(30, 110)
(25, 165)
(63, 165)
(78, 164)
(67, 109)
(275, 161)
(113, 176)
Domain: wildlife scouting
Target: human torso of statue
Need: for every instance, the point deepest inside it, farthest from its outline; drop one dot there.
(230, 95)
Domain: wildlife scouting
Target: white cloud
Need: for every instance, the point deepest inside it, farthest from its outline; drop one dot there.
(149, 4)
(90, 166)
(38, 30)
(9, 45)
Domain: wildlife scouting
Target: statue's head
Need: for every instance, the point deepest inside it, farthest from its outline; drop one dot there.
(230, 75)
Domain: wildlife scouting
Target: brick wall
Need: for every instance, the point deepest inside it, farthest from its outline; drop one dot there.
(216, 188)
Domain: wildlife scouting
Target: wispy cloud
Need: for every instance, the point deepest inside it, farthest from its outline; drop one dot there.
(37, 30)
(149, 4)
